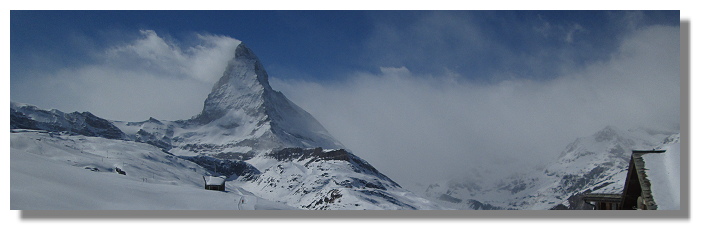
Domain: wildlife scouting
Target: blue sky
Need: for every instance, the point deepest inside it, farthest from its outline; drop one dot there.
(469, 87)
(323, 45)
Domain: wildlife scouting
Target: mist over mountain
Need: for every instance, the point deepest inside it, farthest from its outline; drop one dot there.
(265, 145)
(591, 164)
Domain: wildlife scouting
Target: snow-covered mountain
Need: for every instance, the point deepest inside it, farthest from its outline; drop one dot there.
(597, 163)
(266, 145)
(241, 118)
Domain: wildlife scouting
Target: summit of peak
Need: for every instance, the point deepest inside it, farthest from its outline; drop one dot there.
(246, 59)
(244, 52)
(242, 86)
(244, 69)
(248, 112)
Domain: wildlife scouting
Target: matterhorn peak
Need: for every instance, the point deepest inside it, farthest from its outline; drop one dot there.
(246, 66)
(245, 111)
(242, 86)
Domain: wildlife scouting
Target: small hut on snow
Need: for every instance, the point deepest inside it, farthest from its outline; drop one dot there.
(214, 182)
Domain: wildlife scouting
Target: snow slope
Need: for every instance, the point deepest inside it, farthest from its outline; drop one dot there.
(54, 171)
(319, 179)
(72, 172)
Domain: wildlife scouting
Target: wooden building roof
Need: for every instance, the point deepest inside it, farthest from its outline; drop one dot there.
(214, 180)
(638, 184)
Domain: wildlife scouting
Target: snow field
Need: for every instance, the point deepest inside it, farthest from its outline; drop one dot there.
(72, 173)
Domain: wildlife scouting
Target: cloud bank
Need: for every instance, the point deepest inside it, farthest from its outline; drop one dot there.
(421, 128)
(147, 77)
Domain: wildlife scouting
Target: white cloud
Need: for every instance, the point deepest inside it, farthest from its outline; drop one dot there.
(204, 62)
(416, 128)
(150, 76)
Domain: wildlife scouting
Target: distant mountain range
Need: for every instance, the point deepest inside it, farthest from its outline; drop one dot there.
(592, 164)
